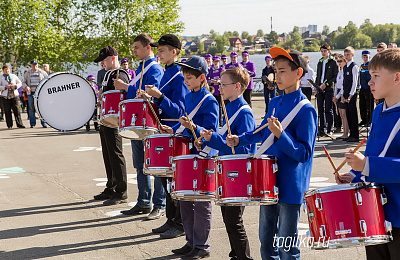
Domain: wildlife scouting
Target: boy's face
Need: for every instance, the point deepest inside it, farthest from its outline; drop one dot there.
(224, 60)
(228, 88)
(325, 53)
(192, 82)
(268, 63)
(285, 77)
(209, 61)
(382, 83)
(366, 58)
(245, 58)
(140, 51)
(378, 50)
(348, 55)
(166, 55)
(125, 65)
(216, 63)
(233, 59)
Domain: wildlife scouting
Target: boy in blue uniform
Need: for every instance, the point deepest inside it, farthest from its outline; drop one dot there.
(170, 98)
(366, 101)
(152, 76)
(196, 215)
(290, 136)
(381, 160)
(241, 119)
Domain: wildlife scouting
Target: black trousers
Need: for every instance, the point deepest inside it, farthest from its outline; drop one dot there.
(366, 104)
(337, 120)
(218, 98)
(307, 92)
(12, 105)
(232, 216)
(388, 251)
(114, 161)
(352, 117)
(325, 111)
(247, 96)
(172, 208)
(1, 107)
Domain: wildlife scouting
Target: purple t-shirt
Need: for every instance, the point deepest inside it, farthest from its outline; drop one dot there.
(214, 74)
(251, 68)
(232, 65)
(131, 73)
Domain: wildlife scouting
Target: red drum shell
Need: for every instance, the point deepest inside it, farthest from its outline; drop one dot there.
(194, 178)
(160, 150)
(136, 119)
(346, 215)
(109, 107)
(244, 180)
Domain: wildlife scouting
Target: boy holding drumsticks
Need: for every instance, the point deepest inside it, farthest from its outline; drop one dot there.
(290, 136)
(381, 160)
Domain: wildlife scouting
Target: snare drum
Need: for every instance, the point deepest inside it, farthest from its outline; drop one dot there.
(194, 178)
(244, 180)
(347, 215)
(65, 101)
(136, 119)
(109, 107)
(159, 151)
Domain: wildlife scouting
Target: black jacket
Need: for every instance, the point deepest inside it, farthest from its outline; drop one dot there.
(331, 71)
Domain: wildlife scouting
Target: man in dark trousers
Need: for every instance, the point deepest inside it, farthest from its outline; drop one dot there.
(111, 142)
(327, 70)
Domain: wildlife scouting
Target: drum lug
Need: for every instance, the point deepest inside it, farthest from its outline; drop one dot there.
(174, 166)
(168, 186)
(103, 111)
(190, 146)
(148, 161)
(123, 107)
(171, 142)
(104, 99)
(172, 185)
(322, 231)
(276, 191)
(248, 166)
(111, 110)
(220, 168)
(194, 184)
(318, 203)
(195, 165)
(220, 191)
(134, 117)
(144, 106)
(358, 198)
(159, 111)
(388, 226)
(249, 189)
(274, 167)
(363, 226)
(267, 192)
(123, 123)
(148, 144)
(171, 159)
(383, 199)
(144, 121)
(121, 97)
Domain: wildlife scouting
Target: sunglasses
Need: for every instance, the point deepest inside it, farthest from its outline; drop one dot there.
(340, 61)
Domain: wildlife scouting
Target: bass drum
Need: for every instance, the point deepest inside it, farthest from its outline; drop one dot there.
(65, 101)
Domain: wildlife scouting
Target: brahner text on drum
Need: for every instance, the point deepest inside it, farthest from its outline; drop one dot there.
(63, 88)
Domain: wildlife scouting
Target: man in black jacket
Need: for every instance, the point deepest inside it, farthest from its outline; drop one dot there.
(327, 70)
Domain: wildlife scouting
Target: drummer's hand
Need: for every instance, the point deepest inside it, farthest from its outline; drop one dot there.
(232, 140)
(185, 122)
(164, 129)
(275, 126)
(206, 134)
(343, 178)
(144, 96)
(120, 85)
(355, 160)
(198, 144)
(153, 91)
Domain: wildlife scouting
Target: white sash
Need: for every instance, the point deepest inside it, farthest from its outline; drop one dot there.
(194, 111)
(170, 80)
(206, 150)
(138, 76)
(286, 121)
(392, 135)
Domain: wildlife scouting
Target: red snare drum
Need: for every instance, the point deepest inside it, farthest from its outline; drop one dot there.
(109, 107)
(194, 178)
(347, 215)
(136, 119)
(244, 180)
(159, 151)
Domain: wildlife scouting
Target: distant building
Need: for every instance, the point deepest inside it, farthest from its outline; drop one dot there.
(312, 28)
(236, 44)
(303, 29)
(191, 47)
(209, 43)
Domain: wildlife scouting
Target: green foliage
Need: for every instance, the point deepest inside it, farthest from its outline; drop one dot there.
(235, 34)
(260, 33)
(222, 43)
(200, 45)
(245, 35)
(250, 38)
(273, 37)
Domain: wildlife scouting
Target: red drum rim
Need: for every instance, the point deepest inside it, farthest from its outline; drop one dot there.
(349, 186)
(191, 156)
(353, 241)
(166, 135)
(244, 156)
(134, 100)
(113, 91)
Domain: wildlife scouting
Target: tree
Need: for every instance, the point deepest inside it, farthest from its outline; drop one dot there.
(245, 35)
(213, 34)
(273, 37)
(260, 33)
(235, 34)
(222, 43)
(296, 29)
(325, 30)
(250, 38)
(200, 45)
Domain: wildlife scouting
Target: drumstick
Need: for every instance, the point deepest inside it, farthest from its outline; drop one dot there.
(170, 119)
(264, 126)
(329, 158)
(206, 131)
(355, 150)
(191, 127)
(117, 74)
(154, 112)
(141, 77)
(226, 120)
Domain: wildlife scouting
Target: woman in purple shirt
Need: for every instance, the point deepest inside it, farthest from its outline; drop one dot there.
(213, 80)
(251, 68)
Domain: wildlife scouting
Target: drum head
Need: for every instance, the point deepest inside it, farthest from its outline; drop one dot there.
(65, 101)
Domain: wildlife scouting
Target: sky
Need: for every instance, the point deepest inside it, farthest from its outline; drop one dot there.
(250, 15)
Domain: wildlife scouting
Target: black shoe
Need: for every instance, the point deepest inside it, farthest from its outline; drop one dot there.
(32, 126)
(196, 254)
(104, 195)
(44, 126)
(362, 123)
(183, 250)
(172, 233)
(87, 129)
(136, 210)
(156, 213)
(337, 130)
(161, 229)
(352, 139)
(21, 126)
(114, 201)
(345, 139)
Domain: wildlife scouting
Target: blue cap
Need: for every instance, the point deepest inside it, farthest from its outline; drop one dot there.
(196, 63)
(224, 57)
(234, 54)
(245, 53)
(366, 53)
(216, 57)
(124, 60)
(207, 56)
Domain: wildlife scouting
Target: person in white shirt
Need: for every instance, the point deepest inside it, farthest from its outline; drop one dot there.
(305, 86)
(341, 61)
